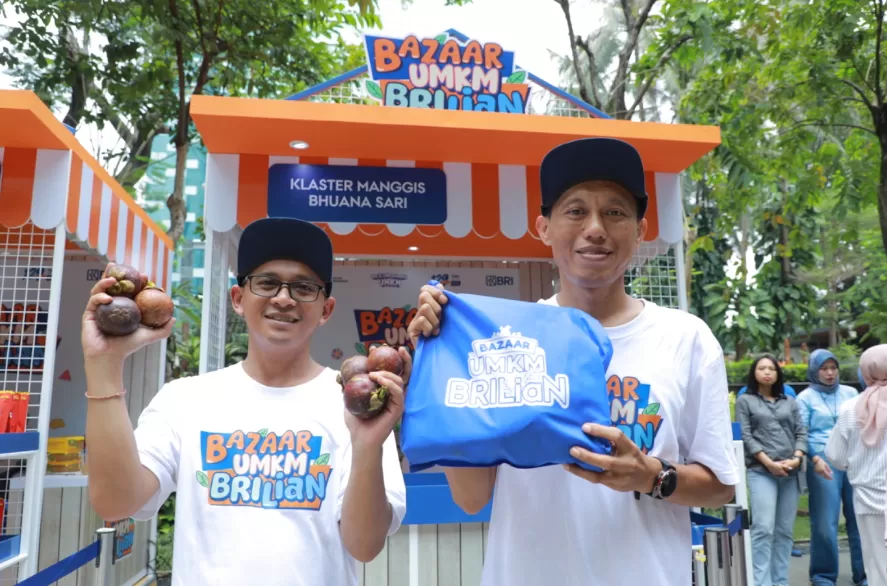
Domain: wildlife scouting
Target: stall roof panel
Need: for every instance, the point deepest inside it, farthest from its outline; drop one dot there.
(267, 127)
(47, 177)
(24, 126)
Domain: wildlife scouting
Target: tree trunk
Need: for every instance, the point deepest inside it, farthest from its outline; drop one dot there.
(882, 188)
(176, 201)
(832, 288)
(833, 314)
(740, 346)
(81, 85)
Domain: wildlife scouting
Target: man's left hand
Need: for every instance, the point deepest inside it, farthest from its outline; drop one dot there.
(626, 469)
(370, 434)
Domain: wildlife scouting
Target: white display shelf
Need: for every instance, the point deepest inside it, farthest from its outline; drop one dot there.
(53, 481)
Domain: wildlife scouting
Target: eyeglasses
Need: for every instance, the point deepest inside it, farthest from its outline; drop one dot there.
(301, 291)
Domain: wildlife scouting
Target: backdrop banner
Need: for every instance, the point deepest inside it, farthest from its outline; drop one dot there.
(374, 305)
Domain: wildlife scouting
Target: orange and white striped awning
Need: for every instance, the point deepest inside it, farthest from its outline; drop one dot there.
(47, 178)
(491, 161)
(491, 209)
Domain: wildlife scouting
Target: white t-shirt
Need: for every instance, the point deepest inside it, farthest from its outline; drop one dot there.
(668, 393)
(259, 475)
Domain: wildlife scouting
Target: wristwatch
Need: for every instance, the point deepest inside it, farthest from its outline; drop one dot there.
(666, 481)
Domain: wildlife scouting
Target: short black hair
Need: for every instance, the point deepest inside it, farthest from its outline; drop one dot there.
(752, 383)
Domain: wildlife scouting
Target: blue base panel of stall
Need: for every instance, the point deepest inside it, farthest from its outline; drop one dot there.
(430, 502)
(12, 443)
(10, 546)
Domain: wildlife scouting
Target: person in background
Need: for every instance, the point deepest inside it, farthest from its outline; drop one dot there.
(787, 389)
(820, 405)
(802, 483)
(775, 440)
(858, 445)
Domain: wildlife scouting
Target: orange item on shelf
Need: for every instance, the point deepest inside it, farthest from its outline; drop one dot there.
(7, 405)
(19, 416)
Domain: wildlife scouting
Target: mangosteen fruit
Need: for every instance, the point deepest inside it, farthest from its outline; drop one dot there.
(121, 317)
(155, 306)
(351, 367)
(363, 397)
(385, 358)
(129, 280)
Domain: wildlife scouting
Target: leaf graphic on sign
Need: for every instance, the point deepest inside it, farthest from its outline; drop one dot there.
(407, 307)
(361, 349)
(263, 432)
(652, 409)
(442, 38)
(517, 77)
(202, 479)
(322, 460)
(374, 89)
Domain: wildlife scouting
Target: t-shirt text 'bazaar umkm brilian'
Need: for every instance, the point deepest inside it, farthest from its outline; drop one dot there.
(263, 469)
(445, 74)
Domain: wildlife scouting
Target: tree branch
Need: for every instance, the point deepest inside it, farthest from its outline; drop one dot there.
(626, 12)
(616, 98)
(820, 123)
(642, 17)
(580, 79)
(81, 84)
(856, 100)
(200, 32)
(858, 90)
(592, 69)
(182, 130)
(663, 59)
(879, 15)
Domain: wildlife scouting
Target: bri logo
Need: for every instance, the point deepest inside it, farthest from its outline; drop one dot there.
(507, 370)
(499, 281)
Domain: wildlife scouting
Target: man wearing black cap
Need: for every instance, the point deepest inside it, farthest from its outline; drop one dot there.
(276, 483)
(671, 433)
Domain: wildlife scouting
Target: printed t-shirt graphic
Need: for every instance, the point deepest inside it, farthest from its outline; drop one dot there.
(667, 389)
(632, 412)
(260, 469)
(259, 475)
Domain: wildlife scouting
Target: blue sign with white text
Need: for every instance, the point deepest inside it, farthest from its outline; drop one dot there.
(366, 195)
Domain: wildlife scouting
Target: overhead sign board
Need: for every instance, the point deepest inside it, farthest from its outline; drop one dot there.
(445, 74)
(366, 195)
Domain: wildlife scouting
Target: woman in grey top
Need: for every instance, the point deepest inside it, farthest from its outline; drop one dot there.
(775, 440)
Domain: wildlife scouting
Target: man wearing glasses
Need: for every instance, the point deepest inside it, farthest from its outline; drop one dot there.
(276, 483)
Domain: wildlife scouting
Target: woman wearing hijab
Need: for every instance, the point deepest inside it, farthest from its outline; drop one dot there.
(859, 445)
(820, 405)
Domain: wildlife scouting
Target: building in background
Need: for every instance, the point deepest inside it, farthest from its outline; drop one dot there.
(155, 188)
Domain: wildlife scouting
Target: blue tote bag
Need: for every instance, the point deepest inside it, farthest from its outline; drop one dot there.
(506, 382)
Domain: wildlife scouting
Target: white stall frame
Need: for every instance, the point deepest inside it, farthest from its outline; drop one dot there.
(56, 201)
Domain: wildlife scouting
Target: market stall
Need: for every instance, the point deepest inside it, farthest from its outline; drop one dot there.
(62, 218)
(411, 185)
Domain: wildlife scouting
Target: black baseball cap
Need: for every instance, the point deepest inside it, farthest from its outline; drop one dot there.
(592, 159)
(285, 239)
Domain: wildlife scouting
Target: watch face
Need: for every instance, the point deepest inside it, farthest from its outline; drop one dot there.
(669, 482)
